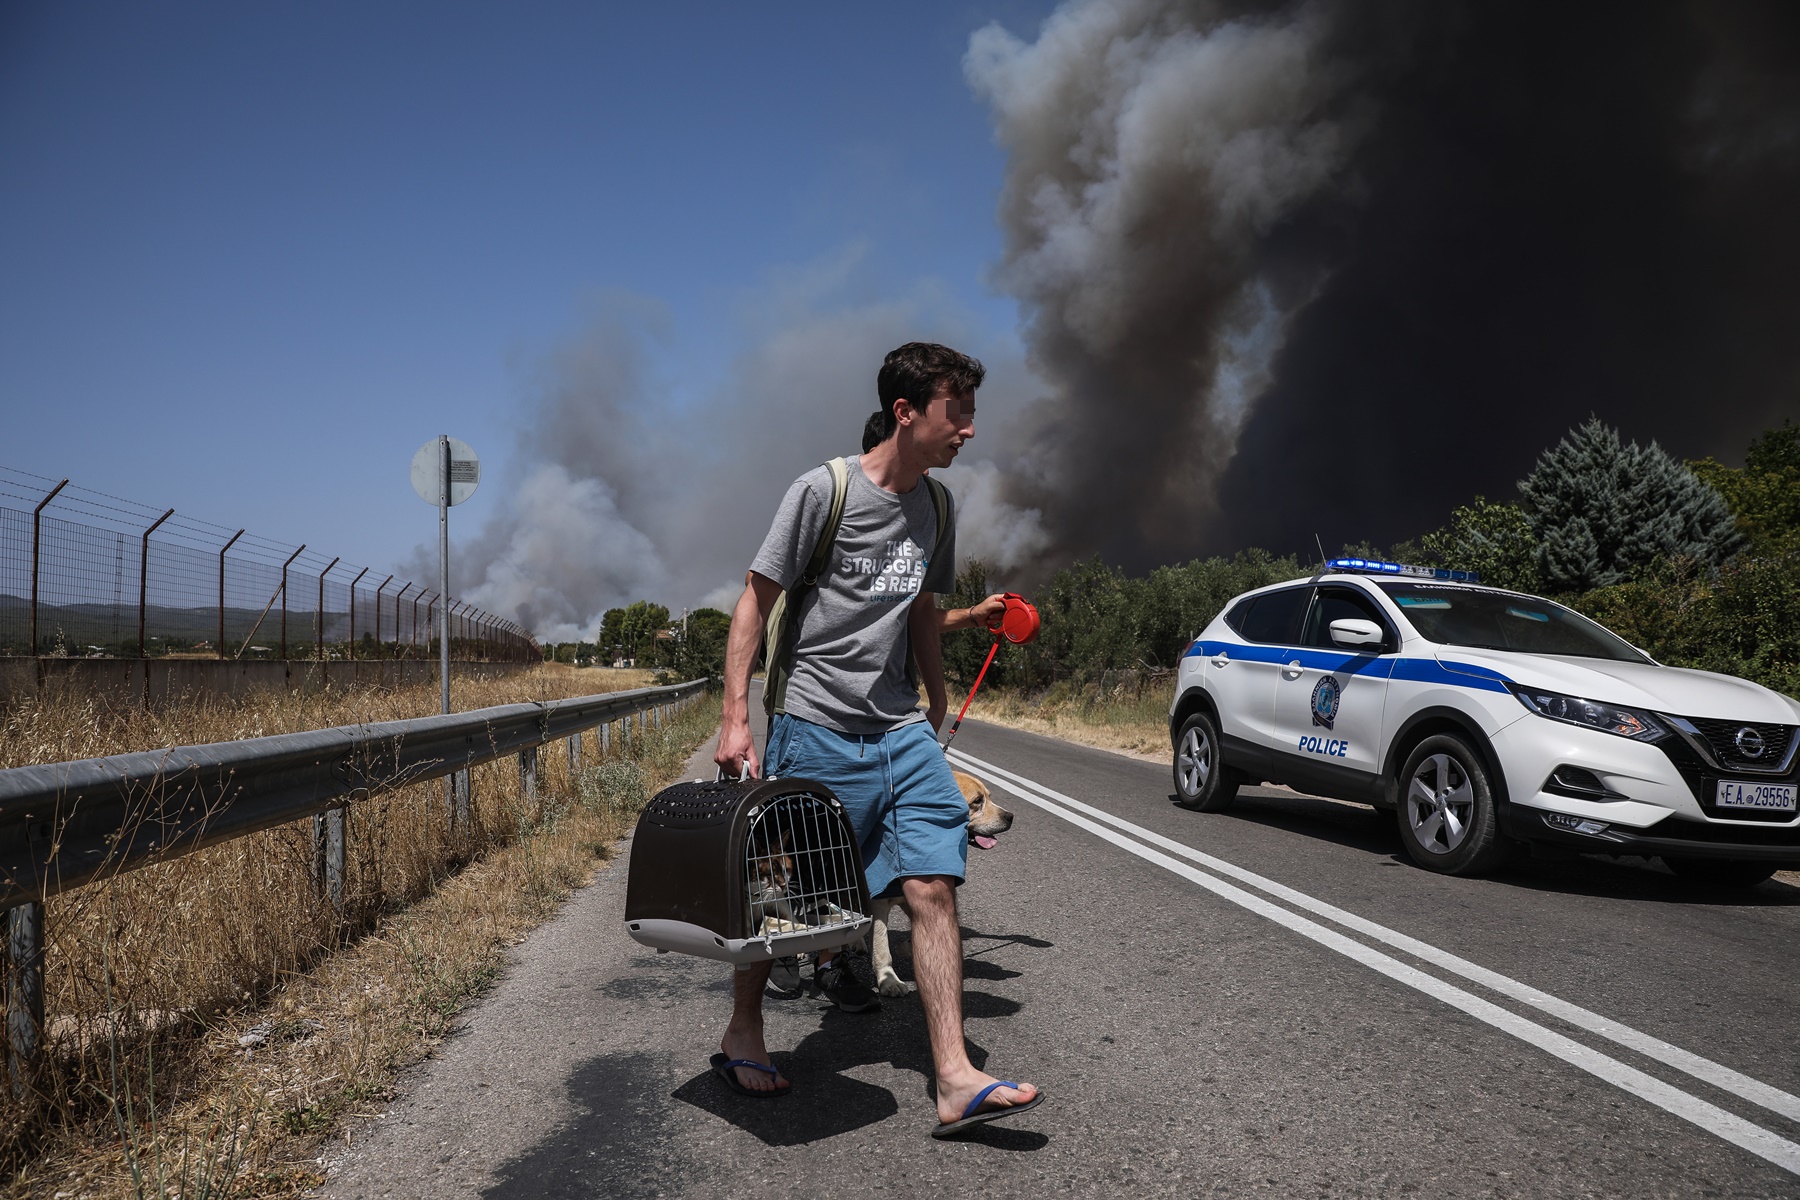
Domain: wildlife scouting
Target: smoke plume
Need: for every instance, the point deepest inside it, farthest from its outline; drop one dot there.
(1333, 268)
(630, 492)
(1283, 270)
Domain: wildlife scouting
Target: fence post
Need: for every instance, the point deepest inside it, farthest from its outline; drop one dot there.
(574, 754)
(334, 857)
(350, 636)
(328, 856)
(605, 732)
(378, 592)
(284, 571)
(459, 787)
(318, 849)
(24, 994)
(319, 617)
(144, 585)
(399, 596)
(36, 526)
(222, 549)
(528, 775)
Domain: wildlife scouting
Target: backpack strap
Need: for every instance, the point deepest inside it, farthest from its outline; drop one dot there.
(940, 504)
(784, 618)
(840, 491)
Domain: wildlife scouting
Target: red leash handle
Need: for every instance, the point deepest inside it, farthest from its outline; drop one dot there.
(1018, 625)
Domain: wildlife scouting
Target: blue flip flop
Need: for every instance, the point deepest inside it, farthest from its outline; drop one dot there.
(722, 1067)
(971, 1118)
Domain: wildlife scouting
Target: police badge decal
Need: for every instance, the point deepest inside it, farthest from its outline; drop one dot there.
(1325, 700)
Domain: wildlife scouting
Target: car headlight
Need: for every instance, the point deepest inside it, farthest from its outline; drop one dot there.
(1632, 723)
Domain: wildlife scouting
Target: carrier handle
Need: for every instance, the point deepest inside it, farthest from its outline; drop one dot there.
(743, 773)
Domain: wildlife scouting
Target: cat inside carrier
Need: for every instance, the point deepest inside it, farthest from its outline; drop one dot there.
(746, 871)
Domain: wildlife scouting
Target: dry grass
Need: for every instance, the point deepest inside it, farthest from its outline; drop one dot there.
(1132, 718)
(154, 979)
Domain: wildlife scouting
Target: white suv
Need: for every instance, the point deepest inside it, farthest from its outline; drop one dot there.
(1482, 718)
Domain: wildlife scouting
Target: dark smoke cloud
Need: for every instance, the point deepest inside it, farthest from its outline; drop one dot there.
(1334, 268)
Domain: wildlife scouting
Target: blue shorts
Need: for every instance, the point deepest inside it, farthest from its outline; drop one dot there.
(910, 817)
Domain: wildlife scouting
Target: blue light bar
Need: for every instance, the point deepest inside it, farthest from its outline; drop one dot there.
(1374, 566)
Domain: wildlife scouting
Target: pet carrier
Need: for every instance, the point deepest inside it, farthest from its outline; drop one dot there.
(746, 871)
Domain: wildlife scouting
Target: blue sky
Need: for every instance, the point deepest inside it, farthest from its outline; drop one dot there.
(256, 254)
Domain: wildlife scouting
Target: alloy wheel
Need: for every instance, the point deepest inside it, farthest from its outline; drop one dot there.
(1194, 760)
(1440, 803)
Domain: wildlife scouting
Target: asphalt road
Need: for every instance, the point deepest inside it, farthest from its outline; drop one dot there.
(1270, 1000)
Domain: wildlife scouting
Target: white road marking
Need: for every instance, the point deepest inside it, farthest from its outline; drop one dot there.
(1717, 1074)
(1688, 1107)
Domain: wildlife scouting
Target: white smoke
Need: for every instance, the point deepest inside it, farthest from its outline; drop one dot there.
(629, 490)
(561, 541)
(1002, 535)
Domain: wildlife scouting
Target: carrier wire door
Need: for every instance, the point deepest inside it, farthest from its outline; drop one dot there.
(746, 871)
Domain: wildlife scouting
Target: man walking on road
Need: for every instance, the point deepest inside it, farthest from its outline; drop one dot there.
(848, 714)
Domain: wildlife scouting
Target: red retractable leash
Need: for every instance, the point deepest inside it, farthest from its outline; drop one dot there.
(1018, 625)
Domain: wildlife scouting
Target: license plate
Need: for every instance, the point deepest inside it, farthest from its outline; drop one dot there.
(1735, 793)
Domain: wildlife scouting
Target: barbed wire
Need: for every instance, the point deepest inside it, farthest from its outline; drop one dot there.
(90, 580)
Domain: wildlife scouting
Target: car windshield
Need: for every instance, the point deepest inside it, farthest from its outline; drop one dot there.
(1462, 616)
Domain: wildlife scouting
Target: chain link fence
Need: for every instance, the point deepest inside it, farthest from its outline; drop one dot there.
(87, 575)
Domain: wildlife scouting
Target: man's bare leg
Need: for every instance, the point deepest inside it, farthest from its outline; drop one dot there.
(937, 968)
(744, 1036)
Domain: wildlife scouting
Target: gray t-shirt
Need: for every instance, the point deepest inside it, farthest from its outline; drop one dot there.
(851, 652)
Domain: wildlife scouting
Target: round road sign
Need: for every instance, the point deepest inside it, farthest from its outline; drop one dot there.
(428, 467)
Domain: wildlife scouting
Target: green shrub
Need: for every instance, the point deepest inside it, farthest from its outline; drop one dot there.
(1743, 619)
(1494, 540)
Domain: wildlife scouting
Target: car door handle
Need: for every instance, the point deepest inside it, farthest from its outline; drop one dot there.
(1219, 660)
(1292, 670)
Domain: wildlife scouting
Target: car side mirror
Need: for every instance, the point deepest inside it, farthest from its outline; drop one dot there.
(1354, 631)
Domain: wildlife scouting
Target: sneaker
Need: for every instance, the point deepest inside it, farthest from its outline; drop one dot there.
(785, 974)
(841, 986)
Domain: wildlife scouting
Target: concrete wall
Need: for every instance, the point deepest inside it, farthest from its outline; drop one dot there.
(123, 679)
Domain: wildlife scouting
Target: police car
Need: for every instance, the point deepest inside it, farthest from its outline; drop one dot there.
(1484, 718)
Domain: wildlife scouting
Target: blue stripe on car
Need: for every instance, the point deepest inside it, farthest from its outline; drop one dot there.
(1412, 670)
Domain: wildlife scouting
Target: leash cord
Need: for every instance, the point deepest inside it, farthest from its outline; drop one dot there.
(970, 698)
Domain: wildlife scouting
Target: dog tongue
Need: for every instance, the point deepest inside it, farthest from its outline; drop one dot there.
(985, 842)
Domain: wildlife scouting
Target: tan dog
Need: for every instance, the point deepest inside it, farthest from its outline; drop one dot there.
(987, 820)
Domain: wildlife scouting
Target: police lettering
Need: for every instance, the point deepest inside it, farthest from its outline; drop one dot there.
(1329, 747)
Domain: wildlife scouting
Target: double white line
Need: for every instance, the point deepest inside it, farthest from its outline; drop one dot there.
(1688, 1107)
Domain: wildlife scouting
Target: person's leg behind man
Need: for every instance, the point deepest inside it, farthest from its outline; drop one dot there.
(743, 1040)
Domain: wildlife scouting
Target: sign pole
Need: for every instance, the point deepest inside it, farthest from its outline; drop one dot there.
(445, 472)
(453, 786)
(444, 568)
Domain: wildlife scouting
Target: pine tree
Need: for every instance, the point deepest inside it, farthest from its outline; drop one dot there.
(1603, 510)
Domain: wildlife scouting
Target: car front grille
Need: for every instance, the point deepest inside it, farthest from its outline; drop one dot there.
(1722, 738)
(1692, 758)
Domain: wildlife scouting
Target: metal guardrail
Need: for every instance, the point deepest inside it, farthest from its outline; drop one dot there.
(63, 825)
